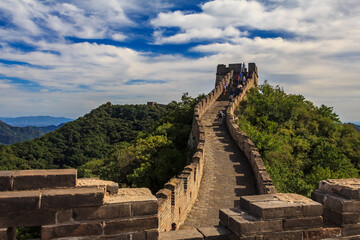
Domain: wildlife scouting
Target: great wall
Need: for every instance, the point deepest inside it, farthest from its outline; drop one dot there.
(224, 193)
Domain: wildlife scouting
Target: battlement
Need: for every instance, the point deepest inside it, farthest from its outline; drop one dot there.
(66, 207)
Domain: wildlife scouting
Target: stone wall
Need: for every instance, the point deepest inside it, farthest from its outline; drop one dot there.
(176, 199)
(341, 201)
(262, 178)
(67, 207)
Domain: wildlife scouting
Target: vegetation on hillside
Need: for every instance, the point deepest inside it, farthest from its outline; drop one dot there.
(134, 145)
(11, 135)
(154, 156)
(300, 143)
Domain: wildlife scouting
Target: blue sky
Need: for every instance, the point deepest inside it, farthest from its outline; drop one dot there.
(64, 58)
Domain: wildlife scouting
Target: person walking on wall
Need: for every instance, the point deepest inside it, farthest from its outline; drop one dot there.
(220, 116)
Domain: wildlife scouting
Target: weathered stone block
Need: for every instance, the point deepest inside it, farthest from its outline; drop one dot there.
(27, 218)
(107, 211)
(276, 209)
(288, 235)
(226, 213)
(144, 208)
(3, 233)
(341, 218)
(321, 233)
(302, 223)
(72, 197)
(247, 224)
(312, 209)
(351, 229)
(215, 233)
(5, 180)
(246, 200)
(139, 236)
(37, 179)
(318, 196)
(71, 230)
(64, 215)
(19, 201)
(152, 234)
(348, 188)
(130, 225)
(191, 234)
(341, 204)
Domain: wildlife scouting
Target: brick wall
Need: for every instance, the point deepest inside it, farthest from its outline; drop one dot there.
(180, 193)
(262, 178)
(68, 207)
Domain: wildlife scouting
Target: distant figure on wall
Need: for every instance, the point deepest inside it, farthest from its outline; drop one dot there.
(173, 226)
(221, 117)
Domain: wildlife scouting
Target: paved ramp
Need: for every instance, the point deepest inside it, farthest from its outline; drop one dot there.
(226, 176)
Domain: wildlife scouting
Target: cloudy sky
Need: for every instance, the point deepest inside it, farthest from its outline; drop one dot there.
(66, 57)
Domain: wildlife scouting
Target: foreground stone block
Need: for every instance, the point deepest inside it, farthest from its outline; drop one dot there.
(348, 188)
(109, 186)
(5, 180)
(108, 211)
(281, 205)
(71, 230)
(19, 201)
(71, 197)
(215, 233)
(37, 179)
(27, 218)
(246, 224)
(303, 223)
(191, 234)
(130, 225)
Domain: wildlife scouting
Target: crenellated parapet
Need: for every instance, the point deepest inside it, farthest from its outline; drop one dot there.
(178, 196)
(262, 178)
(67, 207)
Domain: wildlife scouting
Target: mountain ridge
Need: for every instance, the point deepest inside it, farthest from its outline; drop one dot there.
(35, 121)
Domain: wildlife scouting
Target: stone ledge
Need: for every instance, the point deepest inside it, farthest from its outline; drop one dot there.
(37, 179)
(190, 234)
(109, 186)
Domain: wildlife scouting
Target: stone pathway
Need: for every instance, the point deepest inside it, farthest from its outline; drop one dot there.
(226, 173)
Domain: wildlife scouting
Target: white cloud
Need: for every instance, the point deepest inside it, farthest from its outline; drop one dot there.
(320, 60)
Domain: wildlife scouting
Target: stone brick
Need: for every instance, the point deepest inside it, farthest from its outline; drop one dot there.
(130, 225)
(71, 230)
(215, 233)
(64, 215)
(247, 224)
(144, 208)
(312, 209)
(225, 214)
(341, 204)
(152, 234)
(246, 200)
(71, 197)
(318, 196)
(341, 218)
(3, 233)
(351, 229)
(191, 234)
(138, 236)
(36, 179)
(288, 235)
(27, 218)
(19, 201)
(303, 223)
(276, 209)
(321, 233)
(5, 180)
(107, 211)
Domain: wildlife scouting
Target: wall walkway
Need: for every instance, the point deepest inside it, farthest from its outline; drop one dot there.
(226, 174)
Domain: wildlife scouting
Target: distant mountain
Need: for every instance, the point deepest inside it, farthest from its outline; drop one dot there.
(11, 135)
(35, 121)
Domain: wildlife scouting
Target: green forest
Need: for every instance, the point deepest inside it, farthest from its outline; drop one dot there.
(299, 142)
(134, 145)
